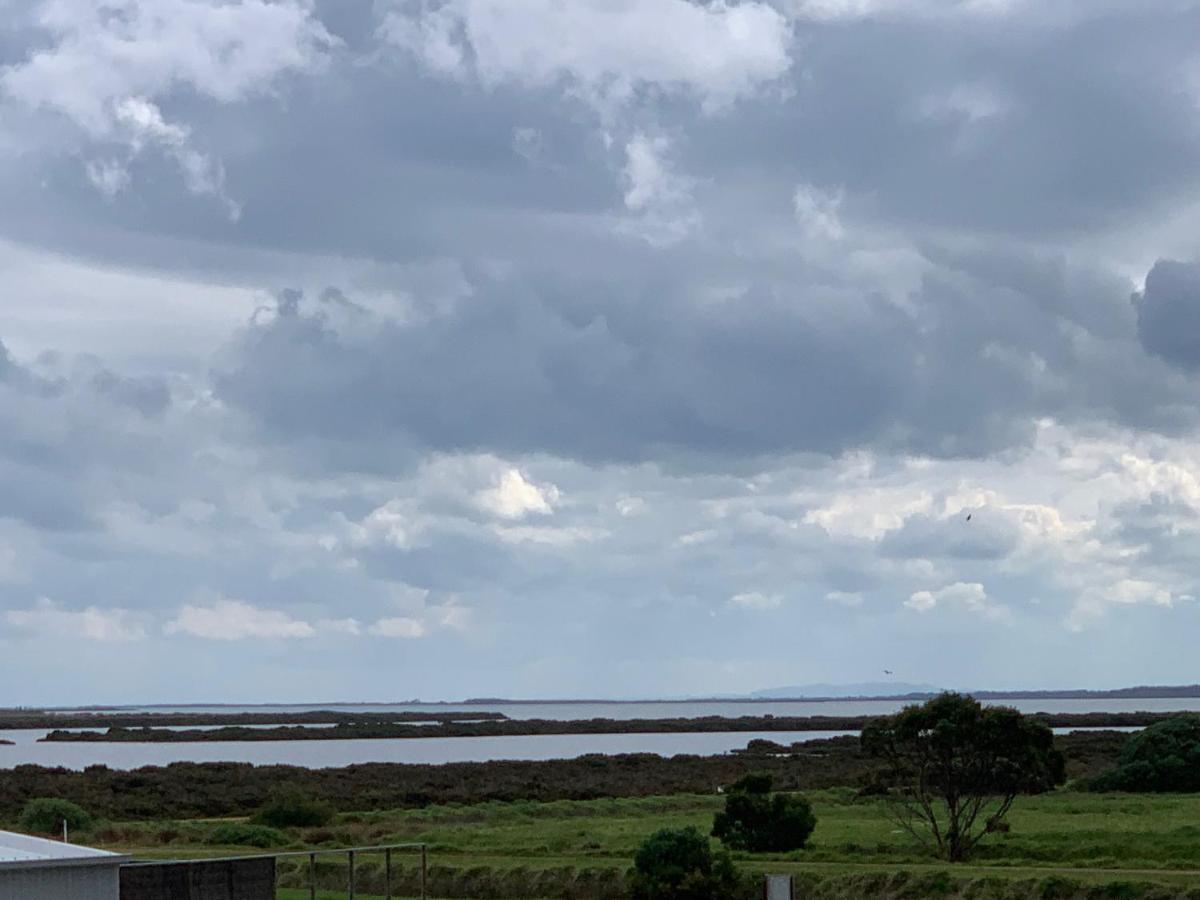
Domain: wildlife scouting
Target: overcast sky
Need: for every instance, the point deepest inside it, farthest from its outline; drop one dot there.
(617, 348)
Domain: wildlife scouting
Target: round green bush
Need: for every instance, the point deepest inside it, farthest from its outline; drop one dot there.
(754, 819)
(45, 815)
(678, 864)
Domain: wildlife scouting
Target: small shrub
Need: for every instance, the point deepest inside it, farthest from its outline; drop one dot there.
(761, 822)
(45, 815)
(246, 834)
(678, 864)
(292, 809)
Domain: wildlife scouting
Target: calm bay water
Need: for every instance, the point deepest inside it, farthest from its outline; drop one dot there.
(320, 754)
(690, 709)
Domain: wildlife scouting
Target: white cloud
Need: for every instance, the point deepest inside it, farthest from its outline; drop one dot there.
(1133, 591)
(556, 537)
(1095, 601)
(838, 10)
(515, 497)
(818, 212)
(1178, 479)
(756, 600)
(922, 601)
(630, 506)
(610, 55)
(91, 623)
(603, 51)
(422, 617)
(395, 523)
(453, 616)
(107, 65)
(970, 596)
(101, 54)
(143, 125)
(658, 198)
(108, 176)
(234, 620)
(869, 512)
(398, 627)
(703, 536)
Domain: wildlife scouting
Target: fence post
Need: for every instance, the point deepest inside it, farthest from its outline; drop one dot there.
(424, 872)
(387, 874)
(350, 854)
(312, 876)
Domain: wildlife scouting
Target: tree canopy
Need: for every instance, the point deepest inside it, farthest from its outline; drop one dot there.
(678, 864)
(952, 767)
(1163, 757)
(754, 819)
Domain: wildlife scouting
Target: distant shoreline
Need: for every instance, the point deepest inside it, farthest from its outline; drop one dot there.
(377, 728)
(1146, 692)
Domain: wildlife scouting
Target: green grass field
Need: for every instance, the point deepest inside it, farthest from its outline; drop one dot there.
(1091, 838)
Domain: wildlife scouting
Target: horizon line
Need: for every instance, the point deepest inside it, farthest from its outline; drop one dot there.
(1140, 692)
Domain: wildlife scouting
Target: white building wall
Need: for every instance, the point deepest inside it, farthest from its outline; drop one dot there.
(96, 882)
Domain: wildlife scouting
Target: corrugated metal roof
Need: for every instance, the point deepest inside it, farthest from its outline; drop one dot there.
(22, 849)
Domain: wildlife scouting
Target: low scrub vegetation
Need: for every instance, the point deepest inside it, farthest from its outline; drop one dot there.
(246, 834)
(376, 726)
(35, 719)
(190, 790)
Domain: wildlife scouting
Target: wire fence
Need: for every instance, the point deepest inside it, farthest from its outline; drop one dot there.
(372, 870)
(390, 871)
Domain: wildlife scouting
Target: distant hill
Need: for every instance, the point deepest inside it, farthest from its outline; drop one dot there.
(838, 691)
(890, 690)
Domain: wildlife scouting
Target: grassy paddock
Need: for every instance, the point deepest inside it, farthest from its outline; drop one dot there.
(1065, 845)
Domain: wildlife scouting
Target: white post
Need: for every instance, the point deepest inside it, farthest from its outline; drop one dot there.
(65, 831)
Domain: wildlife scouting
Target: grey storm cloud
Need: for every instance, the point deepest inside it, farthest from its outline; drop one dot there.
(641, 370)
(1009, 126)
(579, 375)
(292, 302)
(1168, 313)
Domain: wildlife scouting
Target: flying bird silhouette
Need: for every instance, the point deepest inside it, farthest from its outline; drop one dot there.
(968, 517)
(887, 671)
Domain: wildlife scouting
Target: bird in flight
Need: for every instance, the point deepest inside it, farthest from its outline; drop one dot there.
(968, 517)
(887, 671)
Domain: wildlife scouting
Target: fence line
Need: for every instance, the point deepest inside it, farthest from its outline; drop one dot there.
(351, 854)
